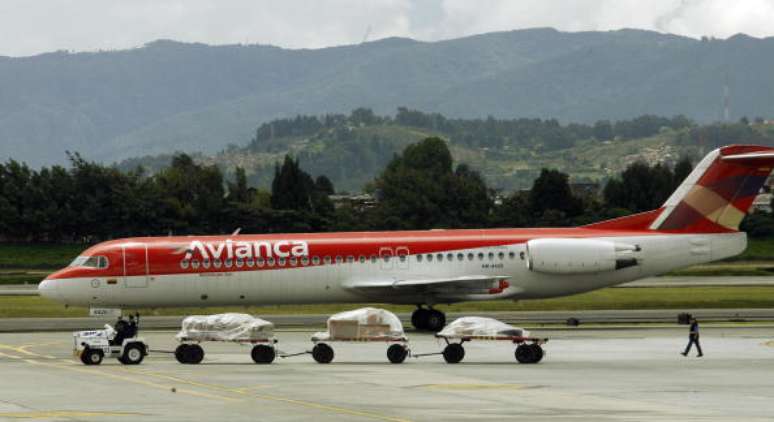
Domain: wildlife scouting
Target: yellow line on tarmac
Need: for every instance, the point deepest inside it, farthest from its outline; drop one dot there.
(241, 392)
(52, 414)
(95, 371)
(303, 403)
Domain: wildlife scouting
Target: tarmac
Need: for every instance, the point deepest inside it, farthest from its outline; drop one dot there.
(663, 281)
(624, 374)
(628, 316)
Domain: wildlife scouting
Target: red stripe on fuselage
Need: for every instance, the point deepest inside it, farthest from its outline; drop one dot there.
(166, 253)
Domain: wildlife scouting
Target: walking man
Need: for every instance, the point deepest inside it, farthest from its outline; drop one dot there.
(693, 338)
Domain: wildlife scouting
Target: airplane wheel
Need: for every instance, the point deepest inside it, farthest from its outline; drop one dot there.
(92, 356)
(181, 353)
(194, 354)
(525, 353)
(537, 353)
(435, 321)
(322, 353)
(263, 354)
(419, 318)
(133, 354)
(453, 353)
(397, 353)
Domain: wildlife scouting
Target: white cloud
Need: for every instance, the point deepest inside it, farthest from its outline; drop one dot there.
(34, 26)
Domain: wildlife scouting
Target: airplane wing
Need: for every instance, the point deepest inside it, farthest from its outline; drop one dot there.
(470, 284)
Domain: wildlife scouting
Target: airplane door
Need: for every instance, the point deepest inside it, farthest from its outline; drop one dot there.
(385, 257)
(135, 265)
(403, 257)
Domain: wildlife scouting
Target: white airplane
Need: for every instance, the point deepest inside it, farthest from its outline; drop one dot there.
(697, 224)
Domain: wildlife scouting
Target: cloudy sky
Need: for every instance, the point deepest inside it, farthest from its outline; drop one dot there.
(29, 27)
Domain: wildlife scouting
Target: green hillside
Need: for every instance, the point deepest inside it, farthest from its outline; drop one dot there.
(353, 149)
(169, 96)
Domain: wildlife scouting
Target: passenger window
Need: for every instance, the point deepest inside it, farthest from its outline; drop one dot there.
(386, 258)
(439, 257)
(270, 261)
(240, 262)
(228, 262)
(339, 259)
(450, 257)
(460, 257)
(402, 258)
(304, 261)
(429, 257)
(206, 263)
(293, 261)
(184, 264)
(281, 262)
(250, 262)
(260, 262)
(362, 259)
(491, 255)
(470, 256)
(350, 259)
(327, 259)
(501, 255)
(194, 263)
(419, 258)
(511, 255)
(480, 256)
(316, 260)
(217, 263)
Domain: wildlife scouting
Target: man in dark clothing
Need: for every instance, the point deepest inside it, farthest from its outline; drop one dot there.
(693, 338)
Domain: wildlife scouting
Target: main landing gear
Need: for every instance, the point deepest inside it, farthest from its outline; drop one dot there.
(428, 319)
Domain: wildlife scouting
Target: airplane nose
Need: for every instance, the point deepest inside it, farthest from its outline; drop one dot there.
(48, 289)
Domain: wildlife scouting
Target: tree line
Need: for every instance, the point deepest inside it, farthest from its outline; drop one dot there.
(491, 132)
(420, 188)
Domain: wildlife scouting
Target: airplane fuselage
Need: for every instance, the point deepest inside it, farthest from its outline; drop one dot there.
(333, 267)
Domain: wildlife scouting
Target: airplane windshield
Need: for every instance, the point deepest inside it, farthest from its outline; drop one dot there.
(90, 262)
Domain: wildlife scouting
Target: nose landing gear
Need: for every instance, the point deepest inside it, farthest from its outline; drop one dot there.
(428, 319)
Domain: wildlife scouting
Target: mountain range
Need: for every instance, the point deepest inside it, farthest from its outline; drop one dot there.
(169, 96)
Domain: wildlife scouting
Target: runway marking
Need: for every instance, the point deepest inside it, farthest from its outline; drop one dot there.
(303, 403)
(474, 386)
(51, 414)
(241, 392)
(93, 371)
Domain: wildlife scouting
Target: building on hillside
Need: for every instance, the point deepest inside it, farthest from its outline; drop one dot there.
(360, 201)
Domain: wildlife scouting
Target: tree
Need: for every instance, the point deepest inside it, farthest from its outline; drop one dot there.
(294, 189)
(551, 191)
(420, 190)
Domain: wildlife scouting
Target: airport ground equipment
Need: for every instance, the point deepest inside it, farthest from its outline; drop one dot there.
(362, 325)
(528, 349)
(92, 346)
(231, 327)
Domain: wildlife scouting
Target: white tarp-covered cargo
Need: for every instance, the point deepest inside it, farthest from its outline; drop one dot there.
(363, 323)
(481, 327)
(225, 327)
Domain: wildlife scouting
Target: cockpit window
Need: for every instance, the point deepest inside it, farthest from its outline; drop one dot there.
(90, 262)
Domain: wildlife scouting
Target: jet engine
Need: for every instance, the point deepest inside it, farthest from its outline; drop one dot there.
(578, 256)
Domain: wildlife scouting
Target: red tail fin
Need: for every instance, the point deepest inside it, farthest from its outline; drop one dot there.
(714, 198)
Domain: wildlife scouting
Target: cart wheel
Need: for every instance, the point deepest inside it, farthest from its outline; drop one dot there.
(194, 354)
(181, 353)
(453, 353)
(397, 353)
(525, 354)
(322, 353)
(263, 354)
(537, 353)
(92, 356)
(133, 354)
